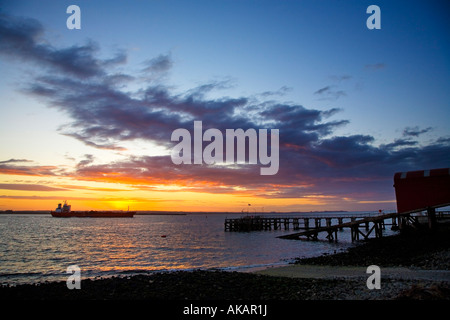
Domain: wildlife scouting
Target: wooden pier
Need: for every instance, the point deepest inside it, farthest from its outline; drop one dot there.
(361, 225)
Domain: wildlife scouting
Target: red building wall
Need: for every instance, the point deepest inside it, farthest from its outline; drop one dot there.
(418, 190)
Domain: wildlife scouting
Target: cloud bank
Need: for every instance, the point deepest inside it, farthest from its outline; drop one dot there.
(105, 112)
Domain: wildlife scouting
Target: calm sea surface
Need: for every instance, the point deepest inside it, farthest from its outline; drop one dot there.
(36, 248)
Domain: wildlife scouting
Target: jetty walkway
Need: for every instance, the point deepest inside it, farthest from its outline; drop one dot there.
(361, 225)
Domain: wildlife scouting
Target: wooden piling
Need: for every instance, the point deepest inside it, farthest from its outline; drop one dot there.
(317, 222)
(340, 221)
(306, 223)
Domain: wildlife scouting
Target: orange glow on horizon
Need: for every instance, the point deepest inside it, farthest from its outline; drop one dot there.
(118, 192)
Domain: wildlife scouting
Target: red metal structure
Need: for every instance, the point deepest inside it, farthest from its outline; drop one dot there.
(421, 190)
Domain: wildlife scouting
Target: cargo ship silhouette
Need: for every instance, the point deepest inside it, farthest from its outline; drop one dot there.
(64, 211)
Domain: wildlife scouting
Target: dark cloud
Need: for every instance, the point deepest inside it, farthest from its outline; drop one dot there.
(22, 38)
(86, 188)
(280, 92)
(162, 63)
(104, 113)
(330, 93)
(398, 143)
(89, 158)
(28, 187)
(120, 58)
(415, 131)
(15, 161)
(30, 170)
(44, 198)
(323, 90)
(57, 198)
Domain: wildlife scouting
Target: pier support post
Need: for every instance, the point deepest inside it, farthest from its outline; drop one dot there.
(276, 223)
(378, 230)
(295, 223)
(401, 222)
(355, 232)
(286, 223)
(318, 222)
(432, 222)
(394, 224)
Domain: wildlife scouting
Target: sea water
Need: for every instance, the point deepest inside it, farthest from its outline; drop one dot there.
(38, 248)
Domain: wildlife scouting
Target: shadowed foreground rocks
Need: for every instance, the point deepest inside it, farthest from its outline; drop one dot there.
(220, 285)
(423, 249)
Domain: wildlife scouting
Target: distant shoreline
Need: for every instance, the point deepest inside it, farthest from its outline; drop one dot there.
(145, 212)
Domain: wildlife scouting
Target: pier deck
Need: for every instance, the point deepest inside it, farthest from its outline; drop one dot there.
(361, 226)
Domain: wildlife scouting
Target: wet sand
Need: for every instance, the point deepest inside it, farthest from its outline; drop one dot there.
(352, 272)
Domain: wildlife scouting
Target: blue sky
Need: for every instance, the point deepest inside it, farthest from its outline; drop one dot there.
(388, 88)
(266, 45)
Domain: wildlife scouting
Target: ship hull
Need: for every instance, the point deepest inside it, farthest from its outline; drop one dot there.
(93, 214)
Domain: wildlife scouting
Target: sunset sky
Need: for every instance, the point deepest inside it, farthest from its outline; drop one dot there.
(87, 115)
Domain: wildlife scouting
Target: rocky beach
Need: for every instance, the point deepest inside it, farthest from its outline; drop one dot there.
(403, 257)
